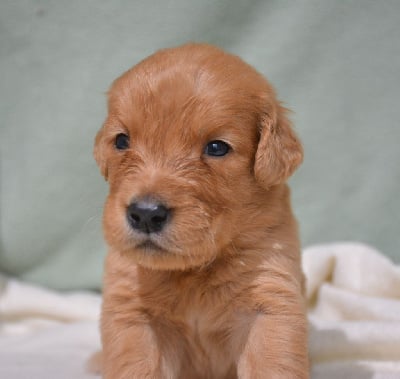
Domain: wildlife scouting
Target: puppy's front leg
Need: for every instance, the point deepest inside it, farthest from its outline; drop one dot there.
(276, 348)
(131, 350)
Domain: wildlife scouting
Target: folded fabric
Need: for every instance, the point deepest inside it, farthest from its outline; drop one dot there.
(353, 295)
(45, 334)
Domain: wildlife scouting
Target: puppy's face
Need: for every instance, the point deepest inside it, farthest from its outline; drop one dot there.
(193, 141)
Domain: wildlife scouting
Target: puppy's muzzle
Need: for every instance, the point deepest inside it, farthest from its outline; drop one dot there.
(147, 216)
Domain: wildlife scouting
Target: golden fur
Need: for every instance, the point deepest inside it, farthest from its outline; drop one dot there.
(221, 295)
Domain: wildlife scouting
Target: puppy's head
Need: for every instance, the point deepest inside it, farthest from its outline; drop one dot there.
(193, 143)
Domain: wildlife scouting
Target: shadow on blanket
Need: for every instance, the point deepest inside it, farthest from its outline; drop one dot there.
(327, 364)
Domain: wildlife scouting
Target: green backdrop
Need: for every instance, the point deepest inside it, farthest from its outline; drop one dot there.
(335, 63)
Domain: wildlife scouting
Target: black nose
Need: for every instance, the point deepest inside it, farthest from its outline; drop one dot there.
(147, 216)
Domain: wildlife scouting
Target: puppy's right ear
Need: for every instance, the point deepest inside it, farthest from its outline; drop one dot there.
(99, 153)
(279, 151)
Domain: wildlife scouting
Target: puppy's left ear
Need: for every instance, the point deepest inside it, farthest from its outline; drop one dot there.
(279, 151)
(99, 153)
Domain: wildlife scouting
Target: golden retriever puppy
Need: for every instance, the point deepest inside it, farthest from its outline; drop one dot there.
(203, 277)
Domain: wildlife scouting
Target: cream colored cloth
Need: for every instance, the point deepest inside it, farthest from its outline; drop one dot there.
(45, 334)
(354, 311)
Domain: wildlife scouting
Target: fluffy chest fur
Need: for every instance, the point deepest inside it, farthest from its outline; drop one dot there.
(203, 315)
(192, 314)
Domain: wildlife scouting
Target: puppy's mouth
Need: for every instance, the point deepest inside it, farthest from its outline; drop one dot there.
(150, 246)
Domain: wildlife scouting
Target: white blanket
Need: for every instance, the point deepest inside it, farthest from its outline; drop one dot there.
(354, 311)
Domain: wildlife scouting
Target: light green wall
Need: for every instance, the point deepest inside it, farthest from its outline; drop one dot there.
(335, 63)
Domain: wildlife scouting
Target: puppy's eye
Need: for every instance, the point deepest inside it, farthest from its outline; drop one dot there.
(122, 141)
(217, 148)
